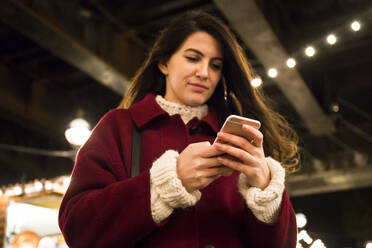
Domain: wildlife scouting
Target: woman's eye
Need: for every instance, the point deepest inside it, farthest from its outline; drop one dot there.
(216, 67)
(192, 59)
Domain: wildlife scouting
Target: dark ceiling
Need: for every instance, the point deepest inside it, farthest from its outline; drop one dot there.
(60, 57)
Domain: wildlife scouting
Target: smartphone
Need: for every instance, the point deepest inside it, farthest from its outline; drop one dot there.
(233, 124)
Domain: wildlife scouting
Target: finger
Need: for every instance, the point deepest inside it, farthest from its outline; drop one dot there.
(238, 153)
(210, 151)
(210, 162)
(213, 171)
(238, 141)
(232, 164)
(257, 136)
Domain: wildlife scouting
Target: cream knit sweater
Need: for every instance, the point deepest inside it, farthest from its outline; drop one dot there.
(168, 193)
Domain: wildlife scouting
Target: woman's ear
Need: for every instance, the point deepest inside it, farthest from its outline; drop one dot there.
(163, 67)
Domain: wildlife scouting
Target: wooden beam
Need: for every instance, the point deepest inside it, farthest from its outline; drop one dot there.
(92, 47)
(329, 181)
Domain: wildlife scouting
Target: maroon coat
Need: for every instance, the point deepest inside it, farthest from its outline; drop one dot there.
(103, 207)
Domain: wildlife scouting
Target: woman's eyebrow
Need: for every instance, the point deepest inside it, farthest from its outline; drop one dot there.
(200, 53)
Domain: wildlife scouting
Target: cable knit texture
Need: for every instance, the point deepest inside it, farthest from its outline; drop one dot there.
(265, 204)
(167, 191)
(187, 112)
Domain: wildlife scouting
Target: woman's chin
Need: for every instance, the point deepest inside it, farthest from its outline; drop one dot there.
(196, 101)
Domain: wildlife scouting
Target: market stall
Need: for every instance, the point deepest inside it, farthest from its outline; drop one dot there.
(29, 214)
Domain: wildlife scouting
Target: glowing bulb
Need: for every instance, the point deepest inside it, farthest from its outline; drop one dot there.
(301, 220)
(303, 235)
(56, 186)
(317, 244)
(48, 185)
(66, 181)
(335, 107)
(256, 82)
(355, 26)
(291, 62)
(310, 51)
(1, 192)
(29, 189)
(272, 72)
(331, 39)
(78, 133)
(369, 244)
(17, 190)
(38, 186)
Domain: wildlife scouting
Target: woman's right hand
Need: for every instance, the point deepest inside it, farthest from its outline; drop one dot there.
(197, 166)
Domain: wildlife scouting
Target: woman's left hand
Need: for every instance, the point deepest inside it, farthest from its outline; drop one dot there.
(247, 157)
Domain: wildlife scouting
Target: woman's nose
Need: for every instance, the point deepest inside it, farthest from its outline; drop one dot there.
(202, 71)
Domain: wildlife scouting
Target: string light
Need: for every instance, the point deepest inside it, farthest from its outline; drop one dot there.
(66, 181)
(331, 39)
(48, 185)
(29, 189)
(303, 235)
(291, 62)
(38, 186)
(317, 244)
(355, 26)
(272, 72)
(256, 82)
(310, 51)
(335, 107)
(58, 185)
(301, 220)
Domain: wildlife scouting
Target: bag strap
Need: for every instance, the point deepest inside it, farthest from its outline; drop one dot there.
(136, 160)
(136, 150)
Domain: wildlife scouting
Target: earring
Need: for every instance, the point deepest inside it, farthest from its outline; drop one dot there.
(224, 89)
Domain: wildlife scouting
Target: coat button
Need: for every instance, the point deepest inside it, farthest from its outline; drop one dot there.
(209, 246)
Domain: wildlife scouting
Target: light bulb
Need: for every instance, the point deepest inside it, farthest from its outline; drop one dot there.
(291, 62)
(331, 39)
(272, 72)
(369, 244)
(256, 82)
(310, 51)
(301, 220)
(78, 133)
(355, 26)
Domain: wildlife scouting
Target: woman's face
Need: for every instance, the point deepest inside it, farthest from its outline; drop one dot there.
(193, 71)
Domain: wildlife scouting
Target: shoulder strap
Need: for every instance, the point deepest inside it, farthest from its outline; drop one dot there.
(136, 150)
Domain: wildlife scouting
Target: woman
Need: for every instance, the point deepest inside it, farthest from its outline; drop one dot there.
(189, 193)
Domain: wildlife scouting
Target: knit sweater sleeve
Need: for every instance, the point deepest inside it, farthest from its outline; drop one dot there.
(265, 204)
(167, 191)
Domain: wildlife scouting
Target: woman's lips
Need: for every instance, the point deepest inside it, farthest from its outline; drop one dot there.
(199, 87)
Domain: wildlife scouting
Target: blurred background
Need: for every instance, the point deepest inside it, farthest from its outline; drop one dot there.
(64, 64)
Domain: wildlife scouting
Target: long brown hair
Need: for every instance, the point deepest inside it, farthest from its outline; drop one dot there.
(233, 94)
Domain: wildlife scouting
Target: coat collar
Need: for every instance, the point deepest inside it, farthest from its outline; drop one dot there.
(148, 109)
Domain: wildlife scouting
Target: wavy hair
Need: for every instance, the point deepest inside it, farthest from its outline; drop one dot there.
(233, 94)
